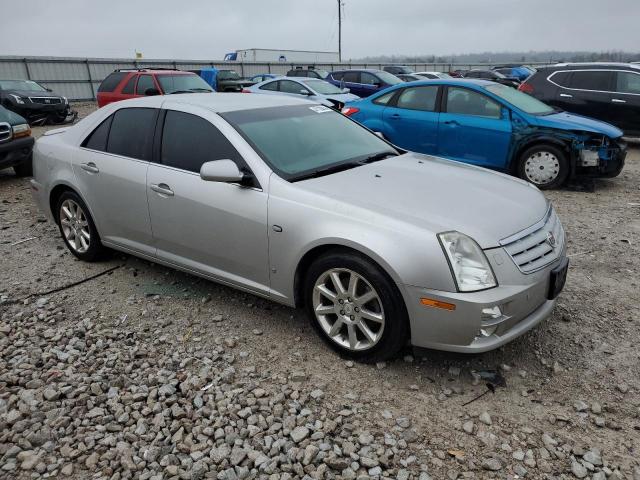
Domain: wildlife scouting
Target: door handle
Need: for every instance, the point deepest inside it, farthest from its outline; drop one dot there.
(566, 95)
(395, 116)
(617, 100)
(162, 189)
(452, 122)
(90, 167)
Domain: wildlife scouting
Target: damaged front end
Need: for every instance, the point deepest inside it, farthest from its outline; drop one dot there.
(598, 155)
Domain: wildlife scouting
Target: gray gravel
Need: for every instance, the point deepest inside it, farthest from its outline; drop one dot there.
(153, 374)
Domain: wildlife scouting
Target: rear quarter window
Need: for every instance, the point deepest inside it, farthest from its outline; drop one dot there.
(97, 140)
(110, 83)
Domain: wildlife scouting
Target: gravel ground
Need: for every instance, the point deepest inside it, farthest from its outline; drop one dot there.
(150, 373)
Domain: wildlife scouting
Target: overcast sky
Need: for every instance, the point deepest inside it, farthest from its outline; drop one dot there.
(207, 29)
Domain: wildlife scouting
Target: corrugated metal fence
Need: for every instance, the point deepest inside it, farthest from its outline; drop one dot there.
(79, 78)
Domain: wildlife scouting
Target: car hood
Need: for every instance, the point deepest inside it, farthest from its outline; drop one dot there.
(571, 121)
(342, 97)
(438, 195)
(10, 117)
(32, 93)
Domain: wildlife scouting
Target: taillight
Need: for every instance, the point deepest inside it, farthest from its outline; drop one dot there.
(245, 90)
(526, 88)
(348, 111)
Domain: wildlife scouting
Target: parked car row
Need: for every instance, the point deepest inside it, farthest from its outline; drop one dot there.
(306, 207)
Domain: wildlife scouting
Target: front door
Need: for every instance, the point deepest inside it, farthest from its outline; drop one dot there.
(218, 229)
(412, 123)
(111, 170)
(625, 102)
(474, 128)
(589, 94)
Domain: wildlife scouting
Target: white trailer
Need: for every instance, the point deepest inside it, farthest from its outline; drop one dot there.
(285, 56)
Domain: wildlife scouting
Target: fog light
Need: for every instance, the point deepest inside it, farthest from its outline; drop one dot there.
(488, 331)
(491, 313)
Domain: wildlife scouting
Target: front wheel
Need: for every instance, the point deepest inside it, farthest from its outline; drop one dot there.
(545, 166)
(77, 228)
(355, 307)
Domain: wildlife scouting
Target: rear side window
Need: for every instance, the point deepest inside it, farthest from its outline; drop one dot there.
(97, 140)
(131, 133)
(418, 98)
(287, 86)
(188, 141)
(272, 86)
(144, 83)
(627, 82)
(128, 88)
(467, 102)
(110, 83)
(591, 80)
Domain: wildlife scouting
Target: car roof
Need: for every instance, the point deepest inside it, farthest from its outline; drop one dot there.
(592, 65)
(156, 71)
(217, 102)
(457, 82)
(370, 70)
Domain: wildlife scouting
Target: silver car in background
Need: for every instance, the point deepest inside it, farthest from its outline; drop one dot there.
(312, 89)
(294, 202)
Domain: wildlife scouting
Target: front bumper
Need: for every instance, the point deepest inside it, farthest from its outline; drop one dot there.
(521, 298)
(609, 160)
(15, 151)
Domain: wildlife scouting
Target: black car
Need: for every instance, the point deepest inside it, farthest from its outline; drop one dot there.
(16, 143)
(395, 69)
(34, 102)
(308, 72)
(492, 76)
(607, 91)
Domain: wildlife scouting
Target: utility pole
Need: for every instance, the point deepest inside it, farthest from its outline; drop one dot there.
(339, 31)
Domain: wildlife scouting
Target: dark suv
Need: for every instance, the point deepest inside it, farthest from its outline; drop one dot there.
(607, 91)
(308, 72)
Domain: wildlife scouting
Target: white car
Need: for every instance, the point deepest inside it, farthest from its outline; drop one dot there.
(313, 89)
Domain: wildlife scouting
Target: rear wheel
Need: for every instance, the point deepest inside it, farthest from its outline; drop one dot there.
(355, 307)
(77, 228)
(545, 166)
(24, 168)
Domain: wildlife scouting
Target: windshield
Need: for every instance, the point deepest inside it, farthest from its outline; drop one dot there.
(228, 75)
(520, 100)
(296, 141)
(322, 87)
(26, 85)
(182, 83)
(388, 78)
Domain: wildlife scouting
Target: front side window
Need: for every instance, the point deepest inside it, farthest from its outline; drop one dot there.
(591, 80)
(182, 83)
(351, 77)
(419, 98)
(367, 79)
(467, 102)
(627, 82)
(387, 78)
(322, 87)
(272, 86)
(298, 140)
(188, 141)
(131, 133)
(287, 86)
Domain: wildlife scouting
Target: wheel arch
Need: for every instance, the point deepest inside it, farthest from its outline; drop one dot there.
(525, 144)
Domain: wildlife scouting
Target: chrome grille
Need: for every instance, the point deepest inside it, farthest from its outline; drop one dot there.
(5, 132)
(537, 246)
(46, 100)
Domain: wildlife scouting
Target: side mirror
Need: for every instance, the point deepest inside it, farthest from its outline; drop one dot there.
(306, 92)
(221, 171)
(149, 92)
(346, 90)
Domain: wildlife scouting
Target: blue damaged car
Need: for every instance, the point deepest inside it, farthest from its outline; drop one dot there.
(490, 125)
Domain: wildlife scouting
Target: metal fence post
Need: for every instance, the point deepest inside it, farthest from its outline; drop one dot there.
(26, 66)
(93, 93)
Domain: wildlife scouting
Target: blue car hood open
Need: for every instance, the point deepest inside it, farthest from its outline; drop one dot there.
(571, 121)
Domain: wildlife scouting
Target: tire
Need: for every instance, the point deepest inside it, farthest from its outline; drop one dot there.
(345, 326)
(75, 223)
(546, 166)
(24, 168)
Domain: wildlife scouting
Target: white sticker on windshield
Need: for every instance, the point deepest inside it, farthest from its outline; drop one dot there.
(320, 108)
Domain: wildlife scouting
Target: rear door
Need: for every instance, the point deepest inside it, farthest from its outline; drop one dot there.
(218, 229)
(625, 102)
(412, 121)
(129, 88)
(474, 128)
(588, 93)
(111, 169)
(351, 80)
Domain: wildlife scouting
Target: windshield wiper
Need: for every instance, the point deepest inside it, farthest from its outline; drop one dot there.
(378, 156)
(181, 91)
(327, 170)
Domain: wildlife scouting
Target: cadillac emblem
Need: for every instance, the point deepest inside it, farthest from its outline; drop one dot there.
(551, 239)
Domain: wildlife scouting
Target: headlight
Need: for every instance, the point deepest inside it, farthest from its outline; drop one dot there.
(17, 98)
(21, 130)
(469, 264)
(65, 100)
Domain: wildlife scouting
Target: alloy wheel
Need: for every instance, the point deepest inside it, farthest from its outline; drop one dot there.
(542, 168)
(348, 309)
(75, 226)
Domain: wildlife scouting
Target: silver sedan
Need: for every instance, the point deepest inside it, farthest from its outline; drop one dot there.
(294, 202)
(312, 89)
